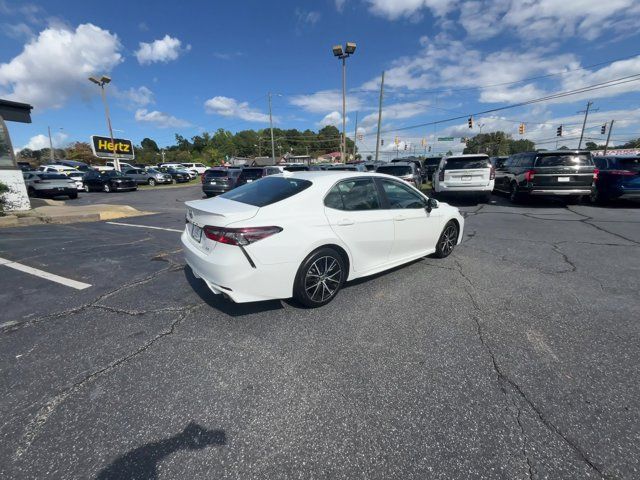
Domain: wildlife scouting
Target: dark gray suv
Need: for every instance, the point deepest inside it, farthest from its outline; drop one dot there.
(219, 180)
(566, 173)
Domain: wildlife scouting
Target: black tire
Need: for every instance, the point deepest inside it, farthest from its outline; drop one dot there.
(31, 192)
(486, 198)
(73, 196)
(152, 182)
(448, 240)
(514, 195)
(106, 188)
(327, 269)
(597, 198)
(208, 195)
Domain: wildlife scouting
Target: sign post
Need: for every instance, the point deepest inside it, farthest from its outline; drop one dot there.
(119, 148)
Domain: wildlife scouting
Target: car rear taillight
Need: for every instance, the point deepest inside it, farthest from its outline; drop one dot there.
(202, 178)
(492, 173)
(626, 173)
(596, 172)
(441, 175)
(529, 175)
(239, 236)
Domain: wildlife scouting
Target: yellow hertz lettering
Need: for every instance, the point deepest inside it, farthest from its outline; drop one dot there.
(119, 147)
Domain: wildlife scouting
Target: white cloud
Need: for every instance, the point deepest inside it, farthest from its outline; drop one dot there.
(395, 9)
(340, 5)
(55, 65)
(230, 107)
(140, 97)
(41, 141)
(325, 101)
(334, 118)
(160, 119)
(397, 111)
(18, 31)
(163, 50)
(304, 16)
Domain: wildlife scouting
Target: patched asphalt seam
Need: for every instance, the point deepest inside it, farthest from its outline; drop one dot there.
(35, 426)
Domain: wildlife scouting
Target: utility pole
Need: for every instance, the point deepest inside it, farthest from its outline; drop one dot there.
(51, 156)
(344, 109)
(273, 145)
(584, 123)
(162, 153)
(355, 138)
(379, 116)
(606, 145)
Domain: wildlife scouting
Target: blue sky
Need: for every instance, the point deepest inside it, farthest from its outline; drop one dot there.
(192, 66)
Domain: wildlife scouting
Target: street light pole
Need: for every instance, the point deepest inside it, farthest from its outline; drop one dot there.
(349, 49)
(51, 156)
(101, 83)
(379, 116)
(273, 147)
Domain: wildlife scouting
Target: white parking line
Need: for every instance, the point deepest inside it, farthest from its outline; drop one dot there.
(144, 226)
(46, 275)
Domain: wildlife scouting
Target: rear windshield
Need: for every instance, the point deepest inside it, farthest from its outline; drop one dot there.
(251, 173)
(465, 163)
(350, 169)
(560, 160)
(267, 191)
(216, 173)
(432, 162)
(628, 164)
(296, 168)
(395, 170)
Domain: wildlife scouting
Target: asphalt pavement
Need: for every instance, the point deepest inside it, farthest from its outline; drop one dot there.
(516, 357)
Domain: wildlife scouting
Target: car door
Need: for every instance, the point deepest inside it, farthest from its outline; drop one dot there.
(353, 209)
(416, 231)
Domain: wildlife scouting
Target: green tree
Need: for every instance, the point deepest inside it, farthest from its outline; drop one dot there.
(149, 144)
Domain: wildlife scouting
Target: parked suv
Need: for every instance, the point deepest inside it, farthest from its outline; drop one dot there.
(251, 174)
(465, 175)
(415, 161)
(567, 173)
(149, 176)
(618, 177)
(406, 171)
(108, 181)
(219, 180)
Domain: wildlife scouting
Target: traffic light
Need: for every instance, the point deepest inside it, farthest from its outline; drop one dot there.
(405, 146)
(381, 141)
(559, 131)
(603, 129)
(396, 141)
(429, 147)
(470, 122)
(521, 129)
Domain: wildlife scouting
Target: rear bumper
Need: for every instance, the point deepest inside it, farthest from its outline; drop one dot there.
(56, 192)
(216, 188)
(572, 191)
(227, 271)
(441, 188)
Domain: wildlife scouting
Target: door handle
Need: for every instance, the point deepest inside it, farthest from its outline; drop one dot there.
(345, 221)
(399, 218)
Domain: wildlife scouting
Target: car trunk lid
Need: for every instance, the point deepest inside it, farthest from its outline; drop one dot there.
(472, 177)
(563, 171)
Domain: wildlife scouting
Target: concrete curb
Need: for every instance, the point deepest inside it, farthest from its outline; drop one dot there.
(57, 214)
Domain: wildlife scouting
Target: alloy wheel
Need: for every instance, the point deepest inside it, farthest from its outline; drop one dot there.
(448, 239)
(323, 279)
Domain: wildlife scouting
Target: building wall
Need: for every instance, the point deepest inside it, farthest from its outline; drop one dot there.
(16, 199)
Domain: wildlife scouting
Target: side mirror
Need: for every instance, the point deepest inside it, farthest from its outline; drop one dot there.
(431, 204)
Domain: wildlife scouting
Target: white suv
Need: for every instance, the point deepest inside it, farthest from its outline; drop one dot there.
(198, 167)
(465, 174)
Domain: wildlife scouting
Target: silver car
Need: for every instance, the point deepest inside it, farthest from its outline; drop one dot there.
(149, 176)
(41, 184)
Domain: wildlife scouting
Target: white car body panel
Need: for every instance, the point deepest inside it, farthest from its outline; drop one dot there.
(367, 237)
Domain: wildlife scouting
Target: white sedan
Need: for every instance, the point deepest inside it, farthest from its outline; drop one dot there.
(304, 234)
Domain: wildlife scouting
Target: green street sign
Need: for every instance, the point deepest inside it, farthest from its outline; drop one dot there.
(445, 139)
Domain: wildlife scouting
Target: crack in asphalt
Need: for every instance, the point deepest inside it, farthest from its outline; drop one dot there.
(35, 426)
(504, 379)
(33, 321)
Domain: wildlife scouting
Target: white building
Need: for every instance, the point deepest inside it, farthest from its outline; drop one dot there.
(10, 174)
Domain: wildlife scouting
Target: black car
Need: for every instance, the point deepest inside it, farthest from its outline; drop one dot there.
(178, 176)
(219, 180)
(108, 181)
(297, 168)
(566, 173)
(251, 174)
(618, 177)
(429, 166)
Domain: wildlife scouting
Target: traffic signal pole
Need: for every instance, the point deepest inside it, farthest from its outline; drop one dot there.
(584, 123)
(606, 145)
(379, 116)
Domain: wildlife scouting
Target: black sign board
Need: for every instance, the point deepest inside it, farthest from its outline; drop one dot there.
(103, 148)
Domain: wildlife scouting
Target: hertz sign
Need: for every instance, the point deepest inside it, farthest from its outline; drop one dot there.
(104, 148)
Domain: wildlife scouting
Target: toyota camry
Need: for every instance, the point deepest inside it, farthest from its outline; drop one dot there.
(304, 234)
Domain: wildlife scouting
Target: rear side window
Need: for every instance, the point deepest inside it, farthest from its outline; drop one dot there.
(251, 173)
(267, 191)
(351, 195)
(461, 163)
(559, 160)
(54, 176)
(632, 164)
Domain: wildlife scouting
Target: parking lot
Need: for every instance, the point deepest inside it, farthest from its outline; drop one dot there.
(515, 357)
